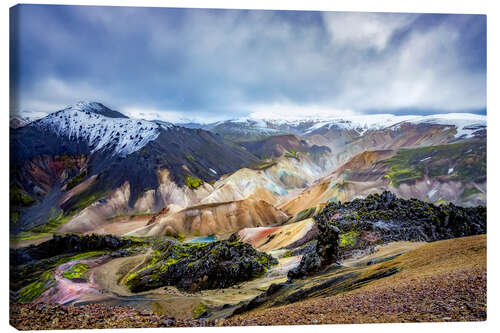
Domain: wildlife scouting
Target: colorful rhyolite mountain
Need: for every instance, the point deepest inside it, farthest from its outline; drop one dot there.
(96, 164)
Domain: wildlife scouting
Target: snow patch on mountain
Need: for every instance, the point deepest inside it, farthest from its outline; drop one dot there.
(245, 127)
(17, 122)
(83, 121)
(24, 118)
(465, 123)
(97, 108)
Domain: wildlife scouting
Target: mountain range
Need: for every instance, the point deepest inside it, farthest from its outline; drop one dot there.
(85, 167)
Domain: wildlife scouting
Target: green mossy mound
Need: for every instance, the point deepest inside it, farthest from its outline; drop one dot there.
(193, 182)
(198, 266)
(307, 213)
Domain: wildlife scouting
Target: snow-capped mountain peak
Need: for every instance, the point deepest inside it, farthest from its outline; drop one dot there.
(101, 128)
(97, 108)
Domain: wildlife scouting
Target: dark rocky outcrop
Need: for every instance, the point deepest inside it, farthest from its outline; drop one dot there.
(198, 266)
(319, 253)
(381, 218)
(311, 262)
(260, 299)
(68, 244)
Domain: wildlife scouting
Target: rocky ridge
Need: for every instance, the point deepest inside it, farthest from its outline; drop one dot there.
(381, 218)
(198, 266)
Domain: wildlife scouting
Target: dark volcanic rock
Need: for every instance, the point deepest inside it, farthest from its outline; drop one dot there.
(328, 238)
(68, 244)
(198, 266)
(319, 253)
(310, 262)
(381, 218)
(385, 218)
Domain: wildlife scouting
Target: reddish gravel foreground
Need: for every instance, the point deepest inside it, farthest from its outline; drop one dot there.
(456, 296)
(47, 317)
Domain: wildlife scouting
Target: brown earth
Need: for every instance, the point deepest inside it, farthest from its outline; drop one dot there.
(122, 225)
(215, 218)
(440, 281)
(272, 238)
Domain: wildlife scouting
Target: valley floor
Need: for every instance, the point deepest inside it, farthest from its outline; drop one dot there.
(439, 281)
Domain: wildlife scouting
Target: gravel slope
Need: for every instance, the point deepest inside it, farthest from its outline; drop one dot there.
(455, 296)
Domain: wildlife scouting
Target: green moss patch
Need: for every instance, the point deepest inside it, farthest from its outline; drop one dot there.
(348, 239)
(465, 161)
(193, 182)
(76, 271)
(67, 161)
(37, 288)
(266, 165)
(292, 154)
(76, 180)
(84, 202)
(19, 197)
(58, 217)
(14, 216)
(199, 310)
(469, 191)
(80, 256)
(53, 223)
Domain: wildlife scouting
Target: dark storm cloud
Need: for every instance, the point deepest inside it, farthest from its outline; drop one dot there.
(212, 64)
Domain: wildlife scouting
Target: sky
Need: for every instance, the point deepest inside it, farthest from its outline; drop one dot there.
(205, 65)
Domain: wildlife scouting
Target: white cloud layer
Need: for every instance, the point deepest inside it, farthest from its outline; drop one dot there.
(365, 30)
(210, 65)
(297, 112)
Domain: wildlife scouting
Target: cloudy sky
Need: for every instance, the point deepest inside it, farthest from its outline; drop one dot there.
(208, 65)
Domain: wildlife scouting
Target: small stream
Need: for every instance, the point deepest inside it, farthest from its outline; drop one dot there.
(203, 239)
